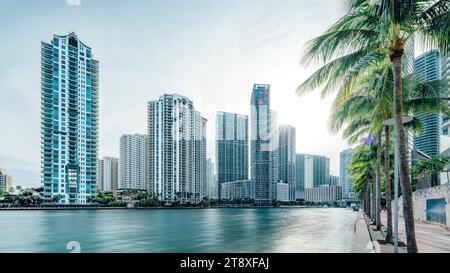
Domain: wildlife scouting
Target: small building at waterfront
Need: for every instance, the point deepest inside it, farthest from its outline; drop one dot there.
(323, 194)
(241, 189)
(283, 192)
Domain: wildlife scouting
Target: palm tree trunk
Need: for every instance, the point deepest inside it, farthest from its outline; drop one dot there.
(373, 202)
(378, 184)
(387, 179)
(404, 173)
(448, 178)
(367, 198)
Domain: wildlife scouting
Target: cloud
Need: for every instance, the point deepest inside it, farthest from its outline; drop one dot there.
(73, 2)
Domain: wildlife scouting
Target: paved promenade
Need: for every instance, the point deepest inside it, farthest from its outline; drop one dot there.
(431, 238)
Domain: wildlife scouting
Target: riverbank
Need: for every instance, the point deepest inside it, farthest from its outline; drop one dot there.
(370, 240)
(147, 208)
(362, 242)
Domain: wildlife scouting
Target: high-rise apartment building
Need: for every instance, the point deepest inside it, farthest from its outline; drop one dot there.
(132, 164)
(345, 177)
(312, 171)
(69, 120)
(5, 181)
(211, 179)
(445, 74)
(287, 158)
(231, 147)
(108, 174)
(427, 67)
(321, 170)
(177, 150)
(300, 172)
(263, 156)
(332, 180)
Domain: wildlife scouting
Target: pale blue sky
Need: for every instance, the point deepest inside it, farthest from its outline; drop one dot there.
(209, 50)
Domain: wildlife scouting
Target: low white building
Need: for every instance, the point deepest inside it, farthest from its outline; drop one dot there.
(283, 192)
(236, 190)
(324, 193)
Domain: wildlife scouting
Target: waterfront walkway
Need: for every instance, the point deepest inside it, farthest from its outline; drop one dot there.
(431, 238)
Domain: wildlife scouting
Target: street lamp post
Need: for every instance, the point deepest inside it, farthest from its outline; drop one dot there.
(391, 122)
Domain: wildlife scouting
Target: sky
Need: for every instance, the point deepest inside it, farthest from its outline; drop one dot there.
(211, 51)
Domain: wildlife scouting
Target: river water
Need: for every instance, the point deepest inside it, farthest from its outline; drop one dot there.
(283, 230)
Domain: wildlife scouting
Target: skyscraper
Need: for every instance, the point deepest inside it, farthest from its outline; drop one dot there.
(309, 172)
(69, 120)
(345, 177)
(312, 171)
(300, 172)
(132, 163)
(5, 181)
(445, 74)
(231, 147)
(332, 180)
(262, 144)
(427, 66)
(177, 150)
(211, 179)
(287, 158)
(108, 174)
(321, 170)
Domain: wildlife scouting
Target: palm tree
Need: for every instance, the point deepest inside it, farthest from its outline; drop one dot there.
(370, 103)
(370, 32)
(361, 168)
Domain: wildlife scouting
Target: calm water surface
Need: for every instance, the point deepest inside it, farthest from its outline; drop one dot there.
(180, 230)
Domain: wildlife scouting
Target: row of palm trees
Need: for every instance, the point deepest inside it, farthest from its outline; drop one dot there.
(361, 58)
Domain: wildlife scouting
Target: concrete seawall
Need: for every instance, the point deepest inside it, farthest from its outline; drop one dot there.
(362, 242)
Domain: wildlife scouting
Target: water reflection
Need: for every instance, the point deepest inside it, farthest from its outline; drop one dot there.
(167, 230)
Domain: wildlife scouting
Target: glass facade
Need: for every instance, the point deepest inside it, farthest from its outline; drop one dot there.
(287, 158)
(427, 67)
(345, 177)
(263, 156)
(69, 121)
(231, 147)
(312, 171)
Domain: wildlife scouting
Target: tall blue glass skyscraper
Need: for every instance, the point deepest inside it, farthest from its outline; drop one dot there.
(311, 171)
(287, 158)
(69, 120)
(345, 176)
(427, 67)
(231, 147)
(300, 172)
(263, 150)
